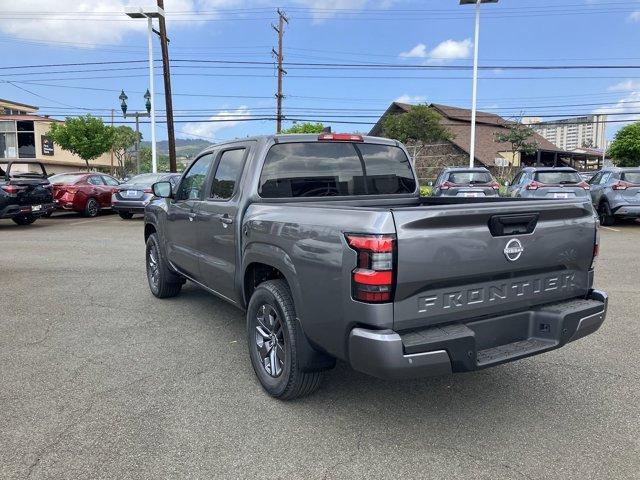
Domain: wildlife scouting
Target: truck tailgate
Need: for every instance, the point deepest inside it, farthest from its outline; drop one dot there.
(464, 261)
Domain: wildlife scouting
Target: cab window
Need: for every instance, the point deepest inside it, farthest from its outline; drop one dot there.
(192, 184)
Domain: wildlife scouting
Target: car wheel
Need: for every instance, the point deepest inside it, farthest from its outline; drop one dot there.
(126, 215)
(24, 219)
(162, 281)
(92, 208)
(273, 349)
(605, 215)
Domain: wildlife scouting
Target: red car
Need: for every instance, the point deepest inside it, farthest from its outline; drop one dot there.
(86, 193)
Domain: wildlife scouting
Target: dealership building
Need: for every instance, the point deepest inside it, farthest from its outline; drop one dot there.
(23, 136)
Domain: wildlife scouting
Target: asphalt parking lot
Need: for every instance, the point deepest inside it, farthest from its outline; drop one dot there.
(101, 380)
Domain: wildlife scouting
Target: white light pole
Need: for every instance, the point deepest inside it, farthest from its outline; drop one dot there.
(474, 95)
(149, 13)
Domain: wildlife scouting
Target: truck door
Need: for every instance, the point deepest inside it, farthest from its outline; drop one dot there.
(181, 232)
(217, 223)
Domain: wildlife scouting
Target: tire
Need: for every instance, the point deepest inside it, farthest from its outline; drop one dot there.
(92, 208)
(605, 215)
(163, 283)
(125, 215)
(272, 327)
(24, 219)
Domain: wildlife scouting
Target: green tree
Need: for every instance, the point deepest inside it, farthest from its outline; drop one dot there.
(145, 162)
(417, 128)
(625, 148)
(85, 136)
(518, 135)
(123, 139)
(306, 127)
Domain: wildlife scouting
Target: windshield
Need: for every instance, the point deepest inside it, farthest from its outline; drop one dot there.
(319, 169)
(146, 179)
(470, 177)
(631, 177)
(558, 178)
(65, 178)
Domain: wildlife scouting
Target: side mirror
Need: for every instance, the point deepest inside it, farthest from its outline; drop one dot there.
(162, 189)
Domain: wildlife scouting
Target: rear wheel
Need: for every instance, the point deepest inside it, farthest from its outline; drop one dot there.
(272, 340)
(24, 219)
(92, 208)
(162, 281)
(605, 215)
(125, 215)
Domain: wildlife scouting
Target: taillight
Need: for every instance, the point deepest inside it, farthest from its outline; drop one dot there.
(372, 279)
(596, 249)
(620, 185)
(584, 185)
(341, 137)
(447, 185)
(71, 190)
(533, 185)
(11, 189)
(148, 190)
(495, 185)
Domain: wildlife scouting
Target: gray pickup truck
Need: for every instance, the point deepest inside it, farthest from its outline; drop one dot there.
(327, 245)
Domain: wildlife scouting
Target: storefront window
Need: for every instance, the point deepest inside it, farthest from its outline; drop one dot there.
(17, 139)
(8, 140)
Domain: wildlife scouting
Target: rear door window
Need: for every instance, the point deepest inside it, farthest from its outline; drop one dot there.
(227, 174)
(319, 169)
(95, 180)
(631, 177)
(557, 178)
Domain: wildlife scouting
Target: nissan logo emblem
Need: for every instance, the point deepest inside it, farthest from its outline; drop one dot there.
(513, 250)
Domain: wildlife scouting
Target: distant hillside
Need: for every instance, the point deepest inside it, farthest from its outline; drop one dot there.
(185, 147)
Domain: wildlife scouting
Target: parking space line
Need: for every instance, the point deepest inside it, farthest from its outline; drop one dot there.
(609, 228)
(90, 220)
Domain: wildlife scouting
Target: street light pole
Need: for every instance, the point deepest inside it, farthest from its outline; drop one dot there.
(474, 94)
(149, 106)
(149, 13)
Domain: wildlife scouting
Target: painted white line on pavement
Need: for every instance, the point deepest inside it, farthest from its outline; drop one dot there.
(90, 220)
(609, 228)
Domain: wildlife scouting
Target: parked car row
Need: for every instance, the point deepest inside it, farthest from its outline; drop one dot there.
(614, 192)
(27, 195)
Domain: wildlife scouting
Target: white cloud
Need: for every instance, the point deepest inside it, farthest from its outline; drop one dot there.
(635, 16)
(82, 22)
(419, 51)
(445, 51)
(412, 99)
(625, 109)
(223, 120)
(452, 50)
(625, 86)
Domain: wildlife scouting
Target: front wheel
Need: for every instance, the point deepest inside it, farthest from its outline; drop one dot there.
(272, 341)
(163, 283)
(24, 219)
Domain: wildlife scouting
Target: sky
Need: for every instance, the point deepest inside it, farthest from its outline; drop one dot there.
(219, 96)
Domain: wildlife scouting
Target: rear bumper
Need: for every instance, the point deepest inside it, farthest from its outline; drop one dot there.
(11, 211)
(627, 211)
(463, 347)
(127, 207)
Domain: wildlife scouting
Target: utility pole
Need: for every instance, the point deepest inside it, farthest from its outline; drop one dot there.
(166, 73)
(113, 112)
(281, 71)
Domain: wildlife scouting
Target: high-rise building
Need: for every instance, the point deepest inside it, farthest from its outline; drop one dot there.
(571, 133)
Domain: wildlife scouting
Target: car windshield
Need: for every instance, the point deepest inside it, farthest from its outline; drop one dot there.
(144, 180)
(65, 178)
(558, 178)
(631, 177)
(469, 177)
(319, 169)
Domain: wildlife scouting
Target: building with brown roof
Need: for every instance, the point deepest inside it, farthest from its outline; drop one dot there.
(23, 136)
(489, 153)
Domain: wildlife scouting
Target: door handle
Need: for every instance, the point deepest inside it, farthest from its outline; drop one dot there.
(191, 216)
(226, 219)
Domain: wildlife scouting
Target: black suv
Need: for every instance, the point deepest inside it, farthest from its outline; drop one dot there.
(25, 192)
